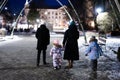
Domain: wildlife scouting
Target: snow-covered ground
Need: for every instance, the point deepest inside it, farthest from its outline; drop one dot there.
(113, 42)
(108, 66)
(9, 39)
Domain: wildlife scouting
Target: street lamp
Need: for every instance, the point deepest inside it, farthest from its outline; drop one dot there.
(6, 8)
(99, 10)
(37, 20)
(14, 14)
(46, 13)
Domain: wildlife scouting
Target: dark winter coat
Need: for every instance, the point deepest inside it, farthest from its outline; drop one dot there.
(43, 37)
(70, 43)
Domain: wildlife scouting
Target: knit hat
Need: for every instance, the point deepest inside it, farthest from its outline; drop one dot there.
(93, 37)
(71, 22)
(56, 42)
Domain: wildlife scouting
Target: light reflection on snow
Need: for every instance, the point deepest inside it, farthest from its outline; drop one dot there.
(8, 39)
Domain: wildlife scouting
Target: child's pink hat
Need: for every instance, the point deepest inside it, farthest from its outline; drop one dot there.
(56, 42)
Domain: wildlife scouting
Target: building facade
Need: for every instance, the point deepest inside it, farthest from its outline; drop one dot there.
(55, 17)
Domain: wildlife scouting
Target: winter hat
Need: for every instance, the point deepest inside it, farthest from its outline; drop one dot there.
(56, 42)
(93, 37)
(71, 22)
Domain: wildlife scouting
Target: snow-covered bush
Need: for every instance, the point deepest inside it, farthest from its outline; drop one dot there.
(104, 20)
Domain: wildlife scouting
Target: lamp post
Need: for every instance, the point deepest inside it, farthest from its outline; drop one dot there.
(37, 20)
(6, 8)
(16, 21)
(98, 11)
(79, 21)
(3, 5)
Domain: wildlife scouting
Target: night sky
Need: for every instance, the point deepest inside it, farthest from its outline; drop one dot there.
(15, 6)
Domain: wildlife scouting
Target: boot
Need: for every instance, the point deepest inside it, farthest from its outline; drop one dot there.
(71, 64)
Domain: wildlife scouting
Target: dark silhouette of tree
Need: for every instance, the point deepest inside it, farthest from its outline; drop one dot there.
(33, 13)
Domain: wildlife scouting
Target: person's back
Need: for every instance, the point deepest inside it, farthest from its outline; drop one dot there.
(70, 44)
(43, 39)
(93, 51)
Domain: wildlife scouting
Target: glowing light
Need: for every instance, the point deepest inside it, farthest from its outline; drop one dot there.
(6, 8)
(99, 10)
(46, 13)
(37, 20)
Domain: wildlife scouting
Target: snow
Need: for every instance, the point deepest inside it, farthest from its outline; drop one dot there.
(108, 66)
(9, 39)
(113, 42)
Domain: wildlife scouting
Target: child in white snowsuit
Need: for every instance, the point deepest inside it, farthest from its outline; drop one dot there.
(56, 53)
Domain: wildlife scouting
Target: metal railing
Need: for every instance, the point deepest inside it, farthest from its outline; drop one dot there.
(2, 5)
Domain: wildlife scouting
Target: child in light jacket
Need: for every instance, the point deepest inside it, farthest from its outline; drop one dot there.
(56, 53)
(93, 51)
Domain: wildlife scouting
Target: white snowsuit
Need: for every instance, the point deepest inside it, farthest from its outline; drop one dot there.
(56, 53)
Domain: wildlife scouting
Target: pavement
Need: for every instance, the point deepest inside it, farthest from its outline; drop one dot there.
(18, 62)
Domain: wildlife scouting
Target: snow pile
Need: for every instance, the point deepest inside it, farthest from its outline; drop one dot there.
(113, 42)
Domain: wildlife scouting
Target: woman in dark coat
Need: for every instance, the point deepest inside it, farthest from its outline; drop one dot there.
(43, 39)
(70, 44)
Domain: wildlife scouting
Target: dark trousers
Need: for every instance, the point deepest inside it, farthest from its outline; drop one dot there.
(118, 57)
(38, 57)
(93, 64)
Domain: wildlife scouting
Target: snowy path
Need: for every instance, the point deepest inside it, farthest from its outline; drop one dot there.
(18, 58)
